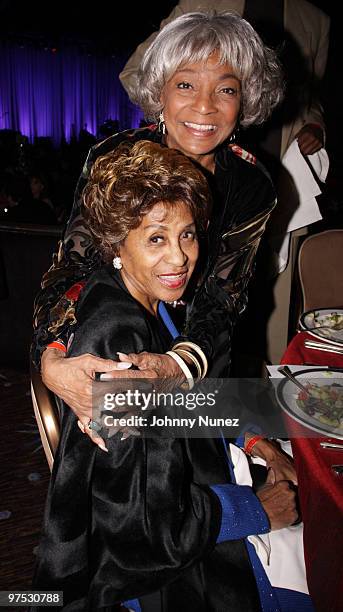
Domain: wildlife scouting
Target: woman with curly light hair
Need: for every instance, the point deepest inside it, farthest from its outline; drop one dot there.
(126, 183)
(150, 521)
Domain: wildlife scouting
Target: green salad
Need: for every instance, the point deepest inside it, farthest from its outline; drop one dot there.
(333, 320)
(323, 402)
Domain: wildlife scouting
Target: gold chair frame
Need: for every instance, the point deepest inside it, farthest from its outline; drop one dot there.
(47, 415)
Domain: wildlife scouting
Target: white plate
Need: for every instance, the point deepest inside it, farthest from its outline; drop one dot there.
(287, 394)
(312, 320)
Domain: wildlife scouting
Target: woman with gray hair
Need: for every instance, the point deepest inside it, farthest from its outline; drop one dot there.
(193, 39)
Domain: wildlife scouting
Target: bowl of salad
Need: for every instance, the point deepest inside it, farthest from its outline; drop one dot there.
(320, 407)
(324, 323)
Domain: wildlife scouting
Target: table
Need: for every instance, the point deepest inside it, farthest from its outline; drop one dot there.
(320, 496)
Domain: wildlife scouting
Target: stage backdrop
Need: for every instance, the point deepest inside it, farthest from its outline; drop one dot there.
(52, 92)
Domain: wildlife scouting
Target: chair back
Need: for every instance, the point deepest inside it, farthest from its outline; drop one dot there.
(47, 415)
(321, 270)
(25, 254)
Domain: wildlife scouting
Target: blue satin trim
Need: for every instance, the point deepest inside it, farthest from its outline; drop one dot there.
(133, 604)
(165, 316)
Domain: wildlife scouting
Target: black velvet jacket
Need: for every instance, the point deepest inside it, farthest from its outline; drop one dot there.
(141, 519)
(243, 200)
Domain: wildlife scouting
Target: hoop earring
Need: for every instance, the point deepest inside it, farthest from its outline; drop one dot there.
(161, 126)
(117, 263)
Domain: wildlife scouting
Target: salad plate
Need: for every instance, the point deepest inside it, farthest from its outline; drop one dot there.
(324, 323)
(321, 409)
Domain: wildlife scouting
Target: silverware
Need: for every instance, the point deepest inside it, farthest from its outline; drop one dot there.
(287, 372)
(332, 445)
(338, 469)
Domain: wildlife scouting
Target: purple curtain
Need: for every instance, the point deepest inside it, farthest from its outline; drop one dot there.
(56, 93)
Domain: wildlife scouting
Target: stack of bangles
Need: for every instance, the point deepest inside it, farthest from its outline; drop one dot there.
(192, 361)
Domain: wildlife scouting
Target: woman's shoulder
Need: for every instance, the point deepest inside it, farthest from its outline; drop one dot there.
(108, 318)
(247, 165)
(106, 287)
(247, 184)
(245, 187)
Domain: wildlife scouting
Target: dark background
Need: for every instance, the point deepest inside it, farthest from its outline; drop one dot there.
(118, 27)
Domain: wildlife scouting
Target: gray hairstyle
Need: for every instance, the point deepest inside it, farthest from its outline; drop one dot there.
(193, 37)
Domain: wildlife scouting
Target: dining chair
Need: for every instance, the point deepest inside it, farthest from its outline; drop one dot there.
(320, 266)
(47, 415)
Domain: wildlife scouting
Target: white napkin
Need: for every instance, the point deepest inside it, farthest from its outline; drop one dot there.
(308, 210)
(281, 552)
(294, 162)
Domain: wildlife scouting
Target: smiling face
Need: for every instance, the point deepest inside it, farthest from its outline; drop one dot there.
(159, 256)
(201, 104)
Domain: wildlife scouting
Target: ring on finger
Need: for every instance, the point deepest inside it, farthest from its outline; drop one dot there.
(94, 425)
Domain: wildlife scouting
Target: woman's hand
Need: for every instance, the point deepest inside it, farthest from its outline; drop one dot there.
(72, 379)
(164, 367)
(275, 458)
(279, 503)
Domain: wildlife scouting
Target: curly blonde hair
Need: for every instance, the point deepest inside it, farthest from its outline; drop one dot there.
(126, 183)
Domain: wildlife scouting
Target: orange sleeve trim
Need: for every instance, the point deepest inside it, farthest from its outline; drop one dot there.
(57, 345)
